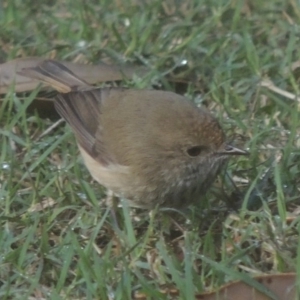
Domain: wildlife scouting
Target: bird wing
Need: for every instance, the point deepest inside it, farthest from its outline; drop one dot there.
(82, 110)
(78, 103)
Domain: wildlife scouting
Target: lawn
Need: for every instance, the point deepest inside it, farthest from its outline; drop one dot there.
(240, 59)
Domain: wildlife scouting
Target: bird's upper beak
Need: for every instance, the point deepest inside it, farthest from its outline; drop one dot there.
(230, 150)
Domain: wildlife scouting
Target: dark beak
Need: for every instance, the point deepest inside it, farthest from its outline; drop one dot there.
(230, 150)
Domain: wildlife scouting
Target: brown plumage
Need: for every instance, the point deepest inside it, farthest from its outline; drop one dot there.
(150, 147)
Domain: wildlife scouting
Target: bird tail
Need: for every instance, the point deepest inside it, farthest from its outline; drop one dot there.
(56, 75)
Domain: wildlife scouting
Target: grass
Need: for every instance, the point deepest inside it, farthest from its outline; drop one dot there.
(57, 238)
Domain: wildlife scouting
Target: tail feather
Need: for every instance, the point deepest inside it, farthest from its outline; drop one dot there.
(57, 76)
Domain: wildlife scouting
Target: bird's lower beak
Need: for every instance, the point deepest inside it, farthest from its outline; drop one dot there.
(230, 150)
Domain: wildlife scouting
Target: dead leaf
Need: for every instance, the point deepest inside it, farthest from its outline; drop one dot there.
(47, 202)
(90, 73)
(281, 285)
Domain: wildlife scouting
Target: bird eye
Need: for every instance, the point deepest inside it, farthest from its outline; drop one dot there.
(195, 151)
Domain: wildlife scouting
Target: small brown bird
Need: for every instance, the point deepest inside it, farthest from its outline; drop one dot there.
(150, 147)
